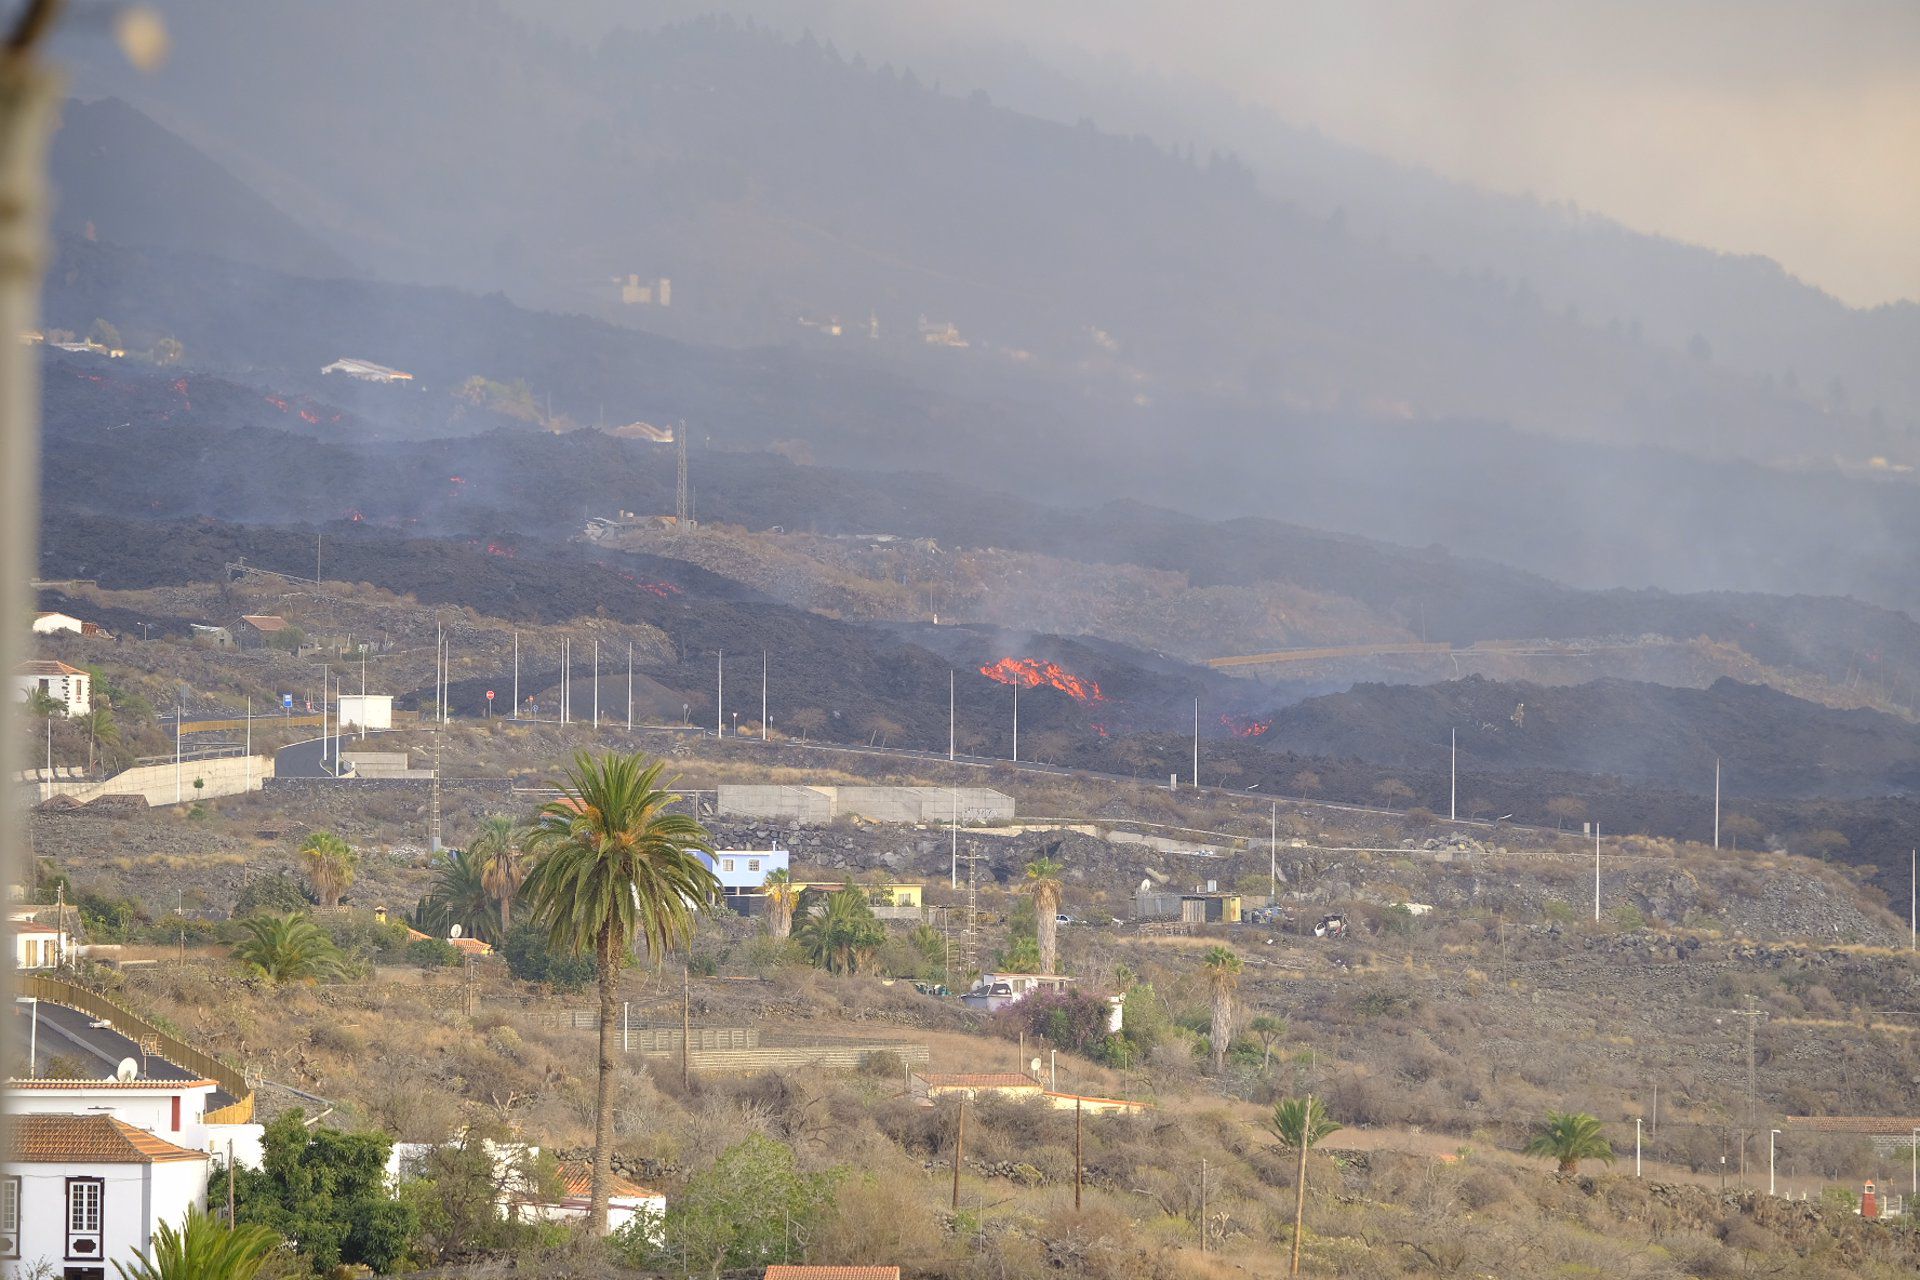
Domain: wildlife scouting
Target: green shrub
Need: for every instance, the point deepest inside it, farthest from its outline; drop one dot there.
(433, 953)
(530, 959)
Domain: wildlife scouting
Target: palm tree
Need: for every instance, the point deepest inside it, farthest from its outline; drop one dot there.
(290, 948)
(612, 867)
(100, 728)
(500, 850)
(781, 895)
(459, 896)
(1021, 956)
(1570, 1137)
(202, 1248)
(1222, 968)
(329, 862)
(840, 933)
(1297, 1120)
(1043, 882)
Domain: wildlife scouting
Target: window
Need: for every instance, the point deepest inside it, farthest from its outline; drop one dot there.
(83, 1205)
(726, 864)
(10, 1217)
(753, 864)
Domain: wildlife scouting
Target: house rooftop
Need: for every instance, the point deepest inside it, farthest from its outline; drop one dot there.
(70, 1085)
(97, 1139)
(46, 667)
(264, 621)
(577, 1177)
(978, 1080)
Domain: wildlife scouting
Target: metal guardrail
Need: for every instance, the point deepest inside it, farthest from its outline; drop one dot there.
(135, 1027)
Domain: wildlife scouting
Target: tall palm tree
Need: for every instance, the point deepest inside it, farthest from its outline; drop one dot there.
(1043, 882)
(329, 863)
(613, 867)
(781, 895)
(1570, 1137)
(500, 852)
(290, 948)
(101, 729)
(202, 1248)
(1222, 967)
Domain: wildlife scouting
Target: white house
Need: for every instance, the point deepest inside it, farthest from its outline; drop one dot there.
(80, 1193)
(995, 991)
(39, 946)
(46, 624)
(373, 710)
(71, 687)
(743, 872)
(627, 1201)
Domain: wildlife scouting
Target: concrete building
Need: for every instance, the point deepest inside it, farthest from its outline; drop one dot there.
(371, 710)
(39, 946)
(81, 1193)
(635, 292)
(255, 629)
(46, 624)
(995, 991)
(69, 686)
(743, 872)
(821, 804)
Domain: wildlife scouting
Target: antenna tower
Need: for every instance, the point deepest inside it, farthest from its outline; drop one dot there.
(680, 510)
(433, 808)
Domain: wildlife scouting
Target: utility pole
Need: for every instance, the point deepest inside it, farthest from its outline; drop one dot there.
(1196, 744)
(686, 1026)
(1753, 1016)
(363, 695)
(433, 805)
(1453, 781)
(1636, 1146)
(1079, 1165)
(959, 1144)
(950, 720)
(1273, 853)
(596, 682)
(1716, 802)
(1203, 1204)
(516, 675)
(629, 686)
(681, 510)
(1300, 1187)
(719, 695)
(953, 832)
(1596, 873)
(1016, 724)
(763, 695)
(1913, 899)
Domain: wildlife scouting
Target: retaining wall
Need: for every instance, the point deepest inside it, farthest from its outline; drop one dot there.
(155, 783)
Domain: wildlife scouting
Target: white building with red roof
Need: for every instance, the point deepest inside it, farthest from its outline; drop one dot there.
(69, 686)
(79, 1193)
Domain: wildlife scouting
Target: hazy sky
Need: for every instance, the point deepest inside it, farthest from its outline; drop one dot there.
(1789, 128)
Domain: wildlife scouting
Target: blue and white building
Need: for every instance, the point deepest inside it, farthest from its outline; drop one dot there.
(743, 874)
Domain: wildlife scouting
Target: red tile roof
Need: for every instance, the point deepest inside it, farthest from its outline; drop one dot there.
(62, 1139)
(103, 1083)
(577, 1177)
(46, 667)
(832, 1273)
(979, 1080)
(264, 621)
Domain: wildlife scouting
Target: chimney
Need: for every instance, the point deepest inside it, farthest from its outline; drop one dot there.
(1869, 1204)
(380, 915)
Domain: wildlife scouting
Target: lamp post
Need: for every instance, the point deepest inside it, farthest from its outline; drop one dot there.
(1771, 1135)
(1636, 1146)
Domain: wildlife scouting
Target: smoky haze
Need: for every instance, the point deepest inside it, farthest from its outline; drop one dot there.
(897, 240)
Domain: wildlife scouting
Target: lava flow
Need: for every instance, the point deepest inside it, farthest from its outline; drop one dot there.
(1033, 673)
(1245, 728)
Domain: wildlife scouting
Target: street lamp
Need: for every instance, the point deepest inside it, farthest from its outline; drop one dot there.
(1771, 1135)
(1636, 1146)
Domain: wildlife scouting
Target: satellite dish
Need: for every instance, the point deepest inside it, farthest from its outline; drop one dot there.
(454, 932)
(127, 1072)
(1036, 1066)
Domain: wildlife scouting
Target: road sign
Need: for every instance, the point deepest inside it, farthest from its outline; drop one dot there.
(489, 695)
(286, 700)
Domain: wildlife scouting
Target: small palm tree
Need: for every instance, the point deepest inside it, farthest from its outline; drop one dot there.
(1570, 1137)
(329, 863)
(613, 867)
(1043, 882)
(290, 948)
(459, 896)
(1271, 1031)
(781, 895)
(1022, 956)
(1298, 1120)
(840, 932)
(500, 852)
(202, 1248)
(101, 729)
(1222, 967)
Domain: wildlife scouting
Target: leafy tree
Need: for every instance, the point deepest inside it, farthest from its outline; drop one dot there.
(202, 1248)
(326, 1191)
(531, 959)
(501, 854)
(459, 896)
(1298, 1120)
(455, 1191)
(840, 933)
(753, 1208)
(1825, 843)
(432, 953)
(1738, 826)
(330, 863)
(1071, 1020)
(1222, 968)
(287, 948)
(613, 867)
(1270, 1031)
(43, 704)
(1043, 883)
(781, 896)
(1570, 1137)
(290, 638)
